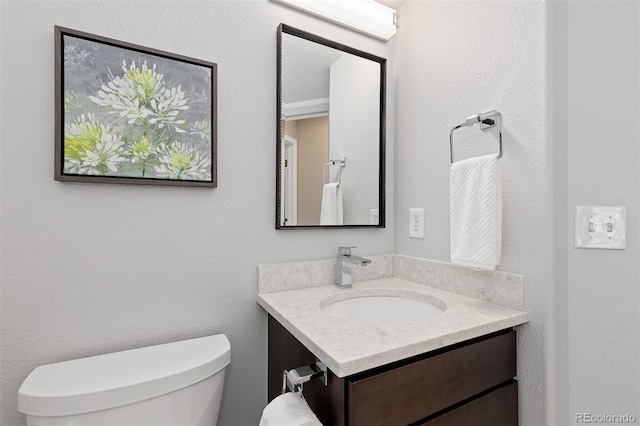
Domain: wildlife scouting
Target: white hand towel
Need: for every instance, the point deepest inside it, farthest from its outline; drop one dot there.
(476, 212)
(331, 208)
(288, 409)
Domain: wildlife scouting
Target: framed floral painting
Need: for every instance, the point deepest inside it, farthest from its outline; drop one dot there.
(131, 114)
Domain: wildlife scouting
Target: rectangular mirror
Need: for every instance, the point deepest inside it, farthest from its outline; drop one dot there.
(331, 134)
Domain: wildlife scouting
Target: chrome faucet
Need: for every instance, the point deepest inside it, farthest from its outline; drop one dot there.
(343, 266)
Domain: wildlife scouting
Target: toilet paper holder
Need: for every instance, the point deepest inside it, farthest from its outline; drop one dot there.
(294, 379)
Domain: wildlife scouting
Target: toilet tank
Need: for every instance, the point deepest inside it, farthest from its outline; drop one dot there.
(177, 383)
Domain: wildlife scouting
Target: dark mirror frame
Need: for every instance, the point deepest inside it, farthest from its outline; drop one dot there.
(286, 29)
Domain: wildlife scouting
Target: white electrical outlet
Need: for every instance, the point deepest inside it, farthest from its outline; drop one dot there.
(416, 223)
(373, 217)
(600, 227)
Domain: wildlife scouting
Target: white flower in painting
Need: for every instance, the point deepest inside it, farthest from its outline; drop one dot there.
(72, 102)
(201, 129)
(75, 55)
(91, 147)
(139, 94)
(127, 95)
(106, 155)
(180, 161)
(164, 111)
(140, 151)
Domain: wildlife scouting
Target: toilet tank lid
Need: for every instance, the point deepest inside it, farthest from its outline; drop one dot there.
(107, 381)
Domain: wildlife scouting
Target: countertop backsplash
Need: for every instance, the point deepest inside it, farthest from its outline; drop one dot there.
(296, 275)
(500, 288)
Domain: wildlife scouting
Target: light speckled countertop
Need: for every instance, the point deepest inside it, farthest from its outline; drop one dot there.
(349, 347)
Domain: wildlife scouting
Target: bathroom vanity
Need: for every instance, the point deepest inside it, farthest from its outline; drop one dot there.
(456, 368)
(470, 383)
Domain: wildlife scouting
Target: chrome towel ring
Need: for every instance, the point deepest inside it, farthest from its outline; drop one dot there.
(486, 121)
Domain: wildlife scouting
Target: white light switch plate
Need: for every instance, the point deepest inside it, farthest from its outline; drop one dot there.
(600, 227)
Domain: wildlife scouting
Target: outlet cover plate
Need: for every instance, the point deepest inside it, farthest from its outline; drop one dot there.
(600, 227)
(374, 217)
(416, 223)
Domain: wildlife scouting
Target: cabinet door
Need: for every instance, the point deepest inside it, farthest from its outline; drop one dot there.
(412, 392)
(497, 408)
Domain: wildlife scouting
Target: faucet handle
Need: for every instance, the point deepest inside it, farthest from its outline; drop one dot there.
(345, 250)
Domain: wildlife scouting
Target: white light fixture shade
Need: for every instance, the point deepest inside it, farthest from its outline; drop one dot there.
(366, 16)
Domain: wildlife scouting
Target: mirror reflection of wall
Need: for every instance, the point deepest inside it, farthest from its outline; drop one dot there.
(331, 109)
(354, 123)
(311, 136)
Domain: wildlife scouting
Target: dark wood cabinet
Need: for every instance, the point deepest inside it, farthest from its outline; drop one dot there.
(470, 383)
(498, 407)
(286, 352)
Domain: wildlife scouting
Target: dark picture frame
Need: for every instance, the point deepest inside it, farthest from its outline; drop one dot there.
(128, 114)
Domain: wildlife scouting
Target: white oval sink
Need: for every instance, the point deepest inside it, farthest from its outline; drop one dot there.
(383, 306)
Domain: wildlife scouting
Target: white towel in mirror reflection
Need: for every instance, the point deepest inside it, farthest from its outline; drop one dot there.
(331, 210)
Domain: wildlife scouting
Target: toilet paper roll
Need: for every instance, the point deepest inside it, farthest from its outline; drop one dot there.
(288, 409)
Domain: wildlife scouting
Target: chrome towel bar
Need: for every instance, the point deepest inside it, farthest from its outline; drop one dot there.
(327, 168)
(486, 121)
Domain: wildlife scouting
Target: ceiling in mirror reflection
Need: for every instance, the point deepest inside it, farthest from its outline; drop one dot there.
(306, 66)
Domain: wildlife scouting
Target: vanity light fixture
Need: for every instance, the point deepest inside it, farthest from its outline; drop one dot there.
(365, 16)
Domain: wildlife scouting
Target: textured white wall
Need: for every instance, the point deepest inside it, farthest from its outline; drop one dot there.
(558, 413)
(452, 60)
(603, 160)
(91, 269)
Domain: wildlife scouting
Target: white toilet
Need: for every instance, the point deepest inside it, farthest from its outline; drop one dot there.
(177, 383)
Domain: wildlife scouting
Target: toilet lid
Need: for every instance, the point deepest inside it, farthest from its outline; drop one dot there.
(112, 380)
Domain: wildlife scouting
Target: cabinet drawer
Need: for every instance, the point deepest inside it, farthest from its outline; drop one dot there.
(497, 408)
(415, 391)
